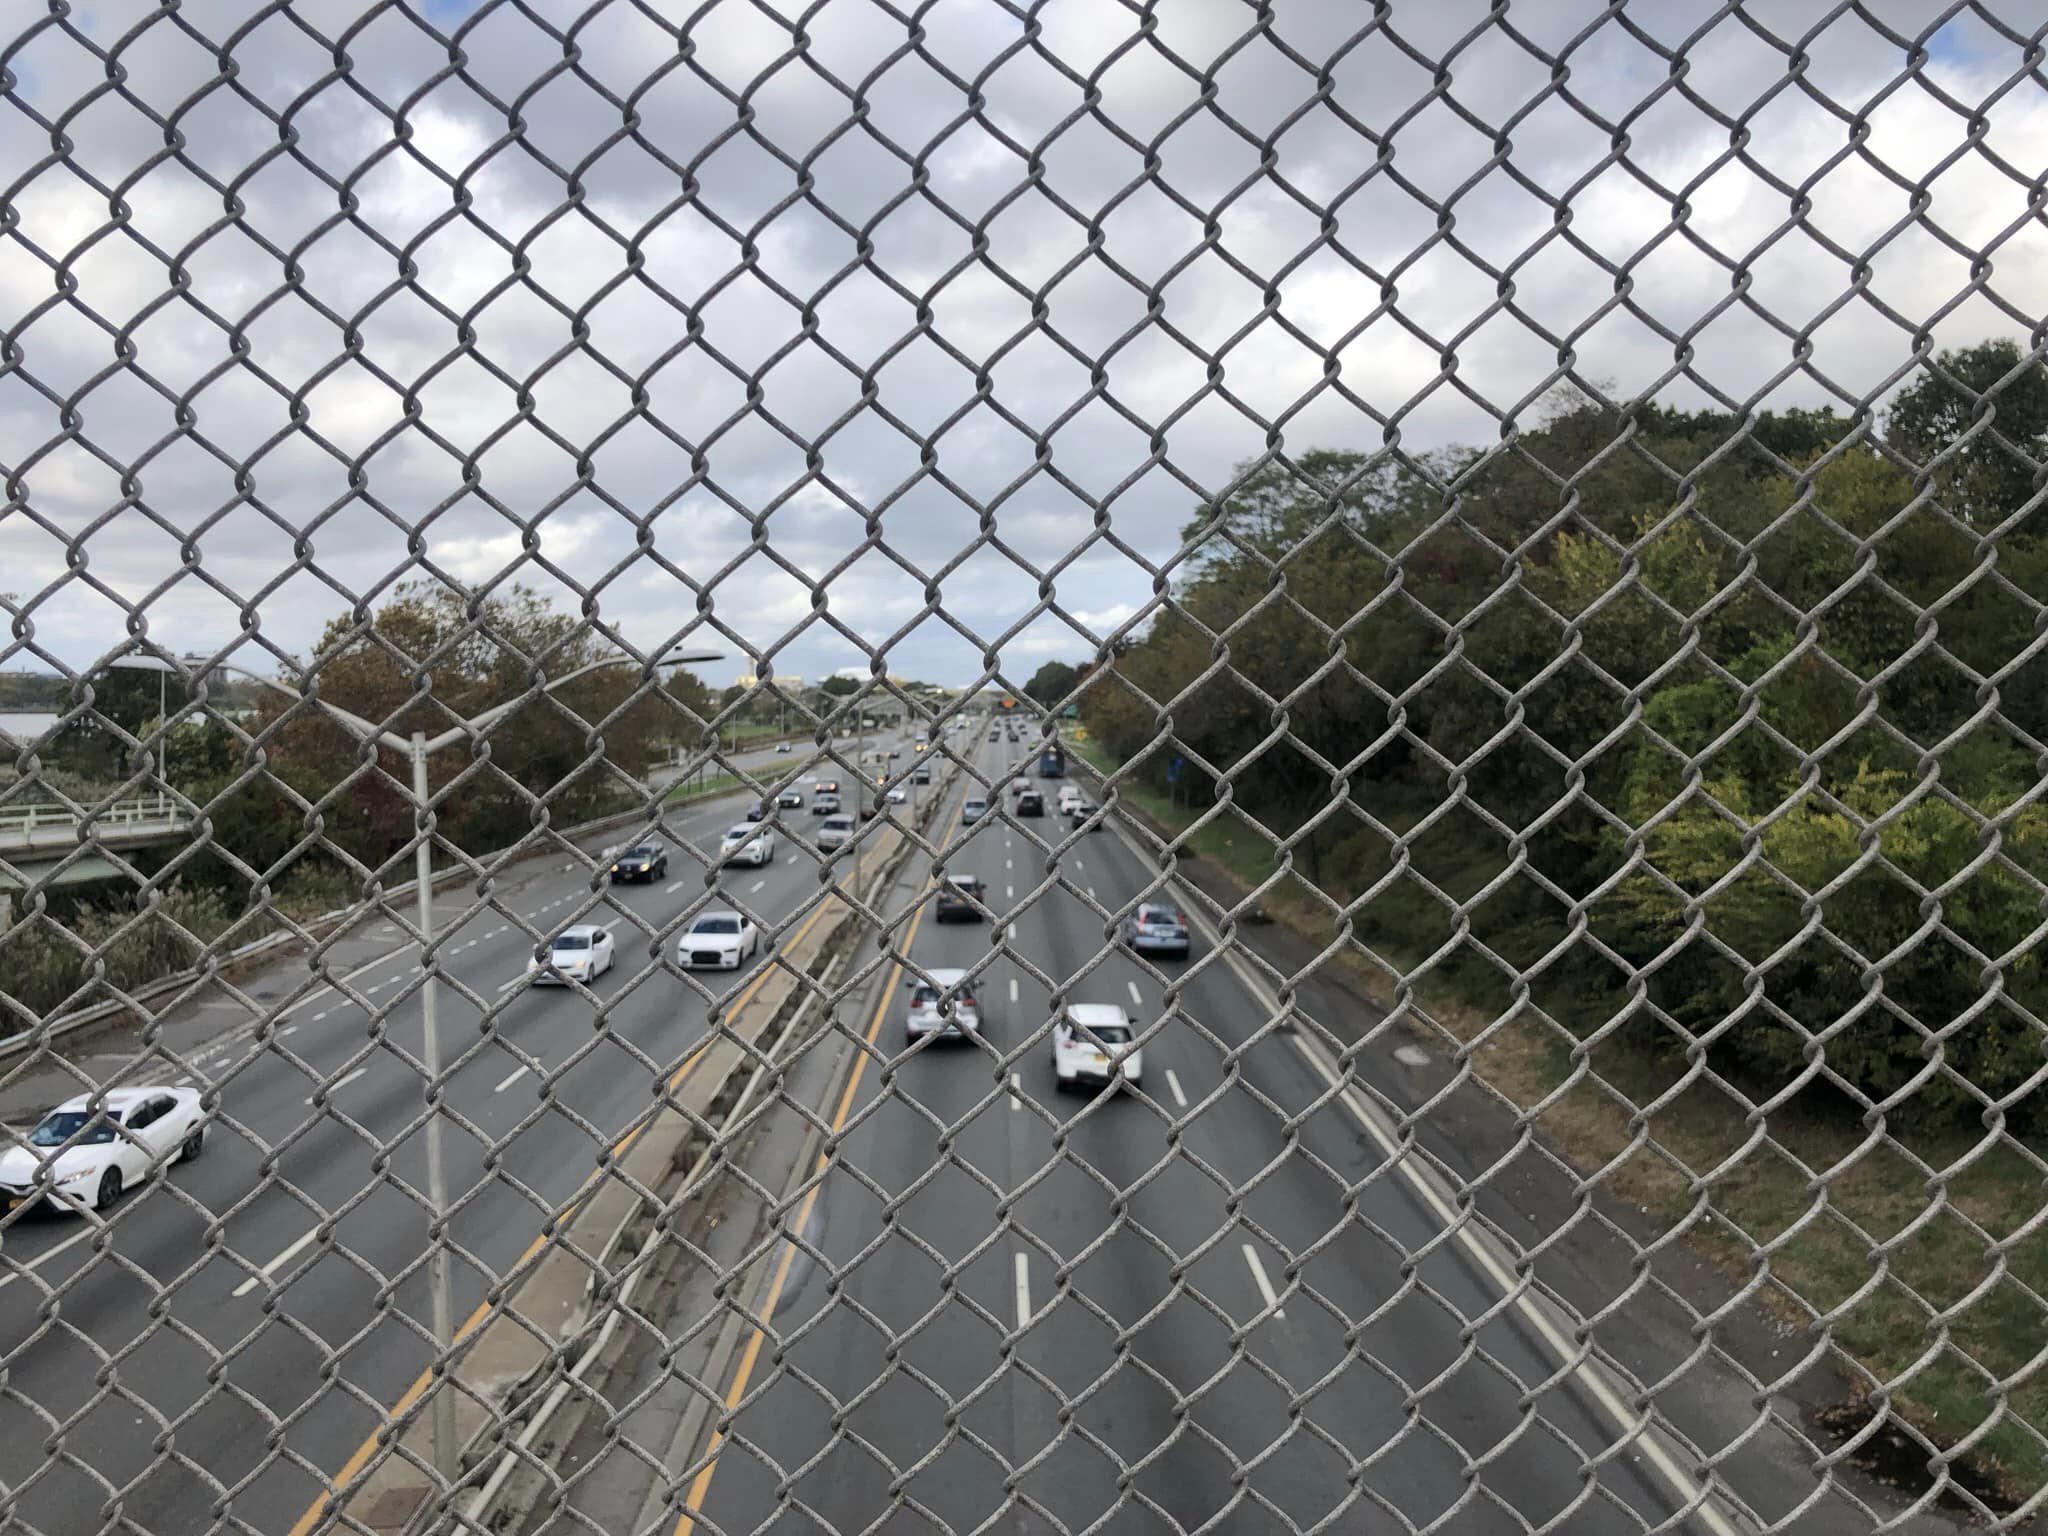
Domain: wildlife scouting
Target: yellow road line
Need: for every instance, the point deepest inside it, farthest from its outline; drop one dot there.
(686, 1523)
(319, 1507)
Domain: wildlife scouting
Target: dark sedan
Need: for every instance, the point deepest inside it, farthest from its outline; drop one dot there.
(642, 861)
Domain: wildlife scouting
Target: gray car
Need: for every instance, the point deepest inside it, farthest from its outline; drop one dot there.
(1156, 930)
(974, 810)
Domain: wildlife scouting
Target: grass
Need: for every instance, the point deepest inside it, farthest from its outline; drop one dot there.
(1893, 1243)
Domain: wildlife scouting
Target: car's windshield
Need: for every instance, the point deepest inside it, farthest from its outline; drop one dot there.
(1163, 916)
(573, 941)
(738, 834)
(62, 1125)
(643, 851)
(717, 925)
(928, 996)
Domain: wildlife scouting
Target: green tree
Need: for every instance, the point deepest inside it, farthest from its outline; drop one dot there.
(2001, 393)
(1051, 683)
(840, 687)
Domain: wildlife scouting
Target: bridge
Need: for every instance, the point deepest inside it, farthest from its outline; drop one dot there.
(34, 839)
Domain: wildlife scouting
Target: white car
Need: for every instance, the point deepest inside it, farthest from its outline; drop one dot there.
(582, 953)
(718, 940)
(84, 1156)
(837, 832)
(748, 843)
(1069, 795)
(897, 796)
(1093, 1045)
(926, 1017)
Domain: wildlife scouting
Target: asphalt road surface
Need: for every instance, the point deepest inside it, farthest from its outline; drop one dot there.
(262, 1305)
(1036, 1310)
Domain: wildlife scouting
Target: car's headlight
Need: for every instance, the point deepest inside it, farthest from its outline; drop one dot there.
(77, 1175)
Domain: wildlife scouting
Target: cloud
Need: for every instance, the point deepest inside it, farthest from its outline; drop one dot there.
(695, 335)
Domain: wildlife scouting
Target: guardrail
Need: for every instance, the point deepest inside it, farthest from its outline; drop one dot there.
(138, 810)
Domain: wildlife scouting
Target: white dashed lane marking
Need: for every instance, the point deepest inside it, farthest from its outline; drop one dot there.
(341, 1082)
(1173, 1085)
(1137, 997)
(274, 1265)
(1251, 1257)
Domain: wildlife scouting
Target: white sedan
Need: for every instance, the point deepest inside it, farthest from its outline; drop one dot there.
(1095, 1045)
(748, 843)
(85, 1156)
(718, 940)
(582, 953)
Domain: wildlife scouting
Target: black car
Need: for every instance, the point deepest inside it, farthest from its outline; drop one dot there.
(758, 811)
(642, 861)
(958, 898)
(1031, 803)
(791, 799)
(922, 776)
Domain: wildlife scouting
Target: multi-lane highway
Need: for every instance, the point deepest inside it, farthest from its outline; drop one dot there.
(262, 1305)
(1073, 1307)
(1213, 1303)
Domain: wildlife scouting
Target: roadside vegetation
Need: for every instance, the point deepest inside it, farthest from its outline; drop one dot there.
(1708, 757)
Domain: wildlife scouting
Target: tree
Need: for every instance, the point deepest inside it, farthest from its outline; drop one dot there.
(2000, 392)
(1052, 682)
(841, 687)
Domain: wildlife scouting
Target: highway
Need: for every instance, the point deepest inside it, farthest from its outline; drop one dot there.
(289, 1260)
(1206, 1305)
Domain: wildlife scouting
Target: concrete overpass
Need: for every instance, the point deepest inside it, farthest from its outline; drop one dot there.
(35, 839)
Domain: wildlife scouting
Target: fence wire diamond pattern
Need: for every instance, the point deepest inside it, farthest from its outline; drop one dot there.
(1403, 893)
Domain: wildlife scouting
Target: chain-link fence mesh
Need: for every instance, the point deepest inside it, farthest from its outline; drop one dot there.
(1375, 862)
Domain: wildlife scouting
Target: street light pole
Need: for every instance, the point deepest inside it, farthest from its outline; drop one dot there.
(447, 1451)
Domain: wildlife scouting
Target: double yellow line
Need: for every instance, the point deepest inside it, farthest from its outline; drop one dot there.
(686, 1523)
(355, 1464)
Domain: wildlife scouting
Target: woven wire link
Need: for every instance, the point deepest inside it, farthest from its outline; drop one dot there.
(1524, 1178)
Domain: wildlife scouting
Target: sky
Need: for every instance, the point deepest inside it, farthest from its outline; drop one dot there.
(859, 336)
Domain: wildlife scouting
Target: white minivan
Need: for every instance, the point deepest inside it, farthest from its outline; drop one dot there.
(837, 832)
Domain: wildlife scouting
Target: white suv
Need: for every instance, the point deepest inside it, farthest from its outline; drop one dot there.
(1094, 1044)
(748, 843)
(927, 1018)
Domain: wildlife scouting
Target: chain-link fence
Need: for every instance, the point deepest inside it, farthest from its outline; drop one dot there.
(1056, 767)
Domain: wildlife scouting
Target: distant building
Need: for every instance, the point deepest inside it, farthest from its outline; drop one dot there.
(788, 682)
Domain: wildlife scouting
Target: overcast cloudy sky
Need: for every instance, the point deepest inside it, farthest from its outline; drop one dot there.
(643, 301)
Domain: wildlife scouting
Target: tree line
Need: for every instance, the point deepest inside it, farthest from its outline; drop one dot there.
(297, 814)
(1728, 732)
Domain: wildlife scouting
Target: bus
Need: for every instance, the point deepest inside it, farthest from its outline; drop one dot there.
(1052, 761)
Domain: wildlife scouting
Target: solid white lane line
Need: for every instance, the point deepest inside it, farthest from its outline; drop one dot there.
(1016, 1098)
(1023, 1291)
(274, 1265)
(1173, 1085)
(1251, 1257)
(1013, 989)
(1137, 997)
(41, 1259)
(342, 1082)
(512, 1079)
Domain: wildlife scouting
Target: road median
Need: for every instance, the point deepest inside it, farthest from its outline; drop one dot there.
(532, 1361)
